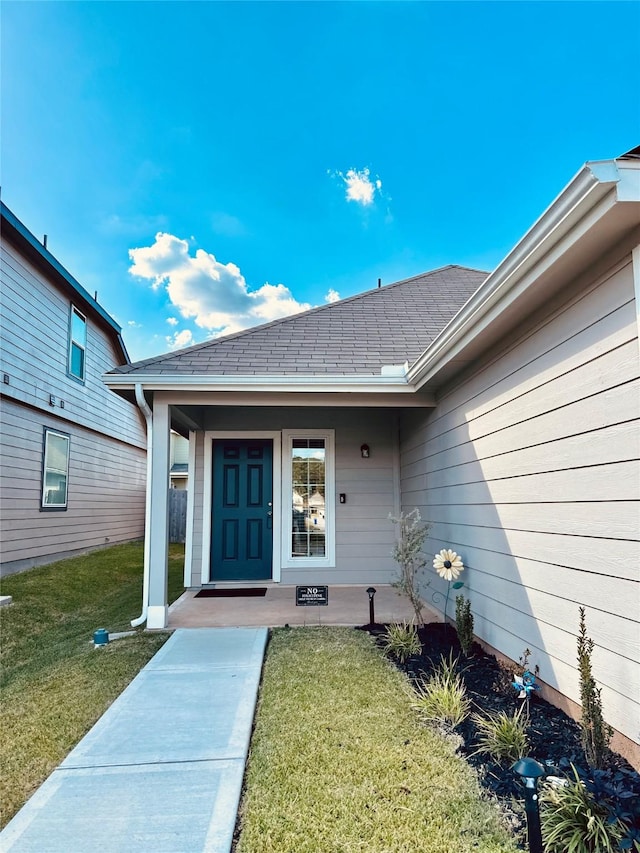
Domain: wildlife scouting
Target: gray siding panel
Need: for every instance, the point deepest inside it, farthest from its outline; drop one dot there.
(107, 435)
(529, 468)
(33, 351)
(105, 497)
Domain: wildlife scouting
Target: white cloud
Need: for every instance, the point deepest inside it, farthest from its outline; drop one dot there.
(331, 295)
(180, 339)
(227, 225)
(172, 321)
(132, 324)
(361, 188)
(132, 226)
(214, 294)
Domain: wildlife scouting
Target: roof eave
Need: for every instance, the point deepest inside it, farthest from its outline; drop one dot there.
(18, 233)
(593, 192)
(271, 383)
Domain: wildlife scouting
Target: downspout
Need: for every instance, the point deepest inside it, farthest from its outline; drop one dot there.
(146, 411)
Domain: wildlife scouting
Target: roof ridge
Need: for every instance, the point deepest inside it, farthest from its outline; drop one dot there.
(280, 320)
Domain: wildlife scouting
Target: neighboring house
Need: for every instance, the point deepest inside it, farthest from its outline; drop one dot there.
(178, 461)
(72, 454)
(504, 406)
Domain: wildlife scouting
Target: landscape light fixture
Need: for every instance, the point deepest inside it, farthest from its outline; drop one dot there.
(100, 638)
(530, 771)
(371, 593)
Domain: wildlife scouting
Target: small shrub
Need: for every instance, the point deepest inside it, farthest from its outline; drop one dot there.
(503, 678)
(574, 822)
(617, 789)
(507, 673)
(501, 736)
(408, 553)
(596, 734)
(442, 697)
(464, 623)
(401, 640)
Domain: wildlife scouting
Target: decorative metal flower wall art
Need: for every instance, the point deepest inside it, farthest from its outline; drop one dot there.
(448, 565)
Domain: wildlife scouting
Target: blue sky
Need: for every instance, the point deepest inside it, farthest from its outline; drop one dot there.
(206, 166)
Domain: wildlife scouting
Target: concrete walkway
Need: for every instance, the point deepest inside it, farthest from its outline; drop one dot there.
(162, 770)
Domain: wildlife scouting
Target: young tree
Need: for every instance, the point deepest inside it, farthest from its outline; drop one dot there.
(408, 553)
(596, 734)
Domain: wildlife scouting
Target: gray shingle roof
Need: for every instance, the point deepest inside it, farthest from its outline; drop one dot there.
(358, 335)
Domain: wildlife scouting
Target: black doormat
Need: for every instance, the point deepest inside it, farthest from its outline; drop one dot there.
(246, 592)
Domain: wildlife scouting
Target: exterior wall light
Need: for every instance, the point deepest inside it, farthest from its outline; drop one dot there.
(371, 591)
(364, 451)
(530, 771)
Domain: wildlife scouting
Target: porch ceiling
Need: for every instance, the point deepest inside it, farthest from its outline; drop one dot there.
(191, 413)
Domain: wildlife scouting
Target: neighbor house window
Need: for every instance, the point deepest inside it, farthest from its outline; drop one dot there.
(77, 343)
(55, 470)
(309, 498)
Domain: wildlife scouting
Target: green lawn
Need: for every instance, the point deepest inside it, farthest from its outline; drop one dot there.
(340, 763)
(54, 684)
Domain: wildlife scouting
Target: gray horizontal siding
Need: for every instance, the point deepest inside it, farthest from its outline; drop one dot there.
(528, 467)
(105, 494)
(33, 351)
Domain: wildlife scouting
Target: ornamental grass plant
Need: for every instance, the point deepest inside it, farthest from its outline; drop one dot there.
(441, 699)
(54, 684)
(503, 736)
(574, 822)
(401, 640)
(339, 761)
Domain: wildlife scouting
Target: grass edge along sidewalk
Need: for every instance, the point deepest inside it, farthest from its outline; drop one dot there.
(340, 763)
(54, 684)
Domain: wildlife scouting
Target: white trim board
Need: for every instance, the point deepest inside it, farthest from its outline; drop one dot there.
(329, 560)
(191, 491)
(635, 257)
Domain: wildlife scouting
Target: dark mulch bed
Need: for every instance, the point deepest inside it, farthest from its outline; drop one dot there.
(554, 737)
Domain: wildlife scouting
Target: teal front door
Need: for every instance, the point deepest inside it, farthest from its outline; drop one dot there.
(242, 510)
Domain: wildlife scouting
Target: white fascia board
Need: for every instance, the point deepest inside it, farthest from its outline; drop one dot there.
(324, 384)
(595, 188)
(624, 173)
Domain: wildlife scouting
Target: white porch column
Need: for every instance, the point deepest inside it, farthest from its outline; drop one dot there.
(159, 533)
(191, 491)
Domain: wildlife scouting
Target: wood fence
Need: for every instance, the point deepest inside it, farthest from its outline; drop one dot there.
(177, 515)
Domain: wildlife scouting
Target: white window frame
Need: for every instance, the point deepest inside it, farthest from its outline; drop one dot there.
(45, 453)
(329, 560)
(81, 345)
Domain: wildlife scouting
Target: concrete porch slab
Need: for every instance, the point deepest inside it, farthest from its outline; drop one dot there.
(348, 606)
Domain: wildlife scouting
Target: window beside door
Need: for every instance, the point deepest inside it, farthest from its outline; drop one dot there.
(308, 481)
